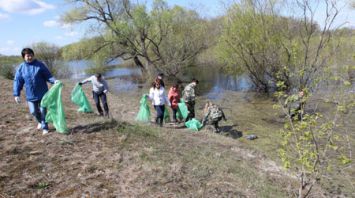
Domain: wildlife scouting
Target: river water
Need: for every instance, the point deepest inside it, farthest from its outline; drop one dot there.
(124, 79)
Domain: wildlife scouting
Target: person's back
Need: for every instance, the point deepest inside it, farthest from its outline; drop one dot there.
(189, 97)
(189, 92)
(216, 113)
(295, 105)
(213, 114)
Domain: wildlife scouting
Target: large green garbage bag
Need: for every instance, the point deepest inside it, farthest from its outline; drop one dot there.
(179, 115)
(52, 100)
(144, 112)
(182, 109)
(193, 124)
(78, 97)
(166, 115)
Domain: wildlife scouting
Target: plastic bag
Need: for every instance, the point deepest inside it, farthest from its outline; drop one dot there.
(52, 100)
(182, 109)
(78, 97)
(193, 124)
(144, 112)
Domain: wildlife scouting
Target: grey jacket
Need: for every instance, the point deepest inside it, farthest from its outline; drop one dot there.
(97, 86)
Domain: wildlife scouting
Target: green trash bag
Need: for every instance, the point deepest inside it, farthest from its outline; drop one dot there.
(144, 112)
(179, 115)
(193, 124)
(182, 109)
(78, 97)
(52, 100)
(166, 115)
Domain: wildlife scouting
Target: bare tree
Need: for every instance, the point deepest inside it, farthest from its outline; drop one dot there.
(138, 34)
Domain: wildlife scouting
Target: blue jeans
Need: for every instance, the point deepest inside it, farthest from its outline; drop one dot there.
(38, 112)
(160, 114)
(97, 97)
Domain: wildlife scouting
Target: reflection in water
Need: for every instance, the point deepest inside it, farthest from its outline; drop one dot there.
(78, 67)
(124, 78)
(227, 82)
(119, 72)
(212, 81)
(119, 85)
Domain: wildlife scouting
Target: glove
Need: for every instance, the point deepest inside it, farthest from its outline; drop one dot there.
(56, 81)
(17, 99)
(80, 83)
(105, 91)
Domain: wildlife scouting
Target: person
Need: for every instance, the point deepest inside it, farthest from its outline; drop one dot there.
(212, 115)
(174, 99)
(34, 75)
(189, 98)
(295, 105)
(159, 98)
(160, 77)
(99, 91)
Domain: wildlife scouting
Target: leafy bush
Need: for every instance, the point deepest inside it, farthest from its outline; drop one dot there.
(7, 71)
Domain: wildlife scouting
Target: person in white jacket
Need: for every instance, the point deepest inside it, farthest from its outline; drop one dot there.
(99, 90)
(158, 96)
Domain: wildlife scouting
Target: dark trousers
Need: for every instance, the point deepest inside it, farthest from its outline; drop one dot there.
(174, 114)
(215, 124)
(160, 114)
(103, 98)
(191, 108)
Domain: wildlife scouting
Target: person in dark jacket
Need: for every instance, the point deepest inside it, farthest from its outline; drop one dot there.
(160, 77)
(34, 75)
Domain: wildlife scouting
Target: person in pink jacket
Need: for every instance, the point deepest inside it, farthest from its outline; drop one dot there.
(174, 99)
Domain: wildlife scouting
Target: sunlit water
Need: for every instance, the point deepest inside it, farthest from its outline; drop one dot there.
(212, 84)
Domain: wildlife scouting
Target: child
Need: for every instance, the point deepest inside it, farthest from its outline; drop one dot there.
(174, 99)
(158, 96)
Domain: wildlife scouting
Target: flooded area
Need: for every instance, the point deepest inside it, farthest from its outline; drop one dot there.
(213, 83)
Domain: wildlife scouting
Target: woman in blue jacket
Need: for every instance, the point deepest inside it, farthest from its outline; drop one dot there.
(34, 75)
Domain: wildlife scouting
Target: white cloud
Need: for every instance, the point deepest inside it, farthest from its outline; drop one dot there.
(71, 34)
(3, 16)
(56, 23)
(25, 6)
(66, 26)
(50, 23)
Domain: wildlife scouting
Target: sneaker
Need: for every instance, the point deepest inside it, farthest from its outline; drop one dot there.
(45, 131)
(39, 126)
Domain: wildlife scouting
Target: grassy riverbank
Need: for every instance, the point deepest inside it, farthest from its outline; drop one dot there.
(119, 157)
